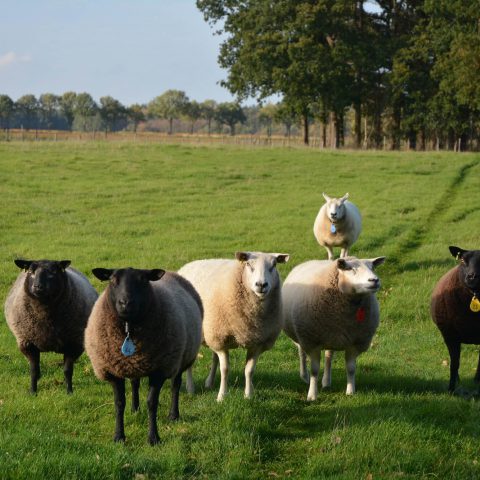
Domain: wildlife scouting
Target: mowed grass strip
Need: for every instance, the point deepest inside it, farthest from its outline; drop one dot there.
(147, 206)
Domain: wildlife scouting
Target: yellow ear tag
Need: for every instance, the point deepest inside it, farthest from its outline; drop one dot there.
(475, 304)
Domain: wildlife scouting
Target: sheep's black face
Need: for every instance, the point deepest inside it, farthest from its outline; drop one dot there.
(46, 279)
(469, 267)
(129, 290)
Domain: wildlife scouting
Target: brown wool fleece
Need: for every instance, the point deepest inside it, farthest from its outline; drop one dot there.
(166, 341)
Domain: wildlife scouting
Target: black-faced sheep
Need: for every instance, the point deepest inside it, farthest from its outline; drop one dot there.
(331, 306)
(338, 224)
(47, 310)
(242, 302)
(455, 308)
(147, 323)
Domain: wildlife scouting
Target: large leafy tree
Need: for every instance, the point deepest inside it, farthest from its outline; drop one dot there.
(170, 105)
(67, 105)
(48, 104)
(230, 113)
(208, 110)
(136, 114)
(85, 109)
(6, 110)
(27, 109)
(112, 112)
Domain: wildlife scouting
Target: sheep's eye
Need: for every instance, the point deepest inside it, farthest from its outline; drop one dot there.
(249, 265)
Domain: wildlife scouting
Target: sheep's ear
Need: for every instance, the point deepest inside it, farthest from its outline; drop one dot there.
(342, 264)
(326, 197)
(457, 252)
(282, 257)
(23, 264)
(64, 264)
(103, 274)
(242, 256)
(377, 261)
(344, 198)
(155, 274)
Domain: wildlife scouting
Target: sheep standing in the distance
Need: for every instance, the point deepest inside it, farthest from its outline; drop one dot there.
(338, 224)
(47, 310)
(147, 323)
(455, 308)
(242, 303)
(331, 306)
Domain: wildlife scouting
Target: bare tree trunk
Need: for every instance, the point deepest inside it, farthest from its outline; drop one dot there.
(358, 124)
(305, 128)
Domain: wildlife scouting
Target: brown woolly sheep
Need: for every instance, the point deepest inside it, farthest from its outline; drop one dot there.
(47, 310)
(455, 308)
(147, 323)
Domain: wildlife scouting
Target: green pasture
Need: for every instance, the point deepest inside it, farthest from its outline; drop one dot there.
(146, 206)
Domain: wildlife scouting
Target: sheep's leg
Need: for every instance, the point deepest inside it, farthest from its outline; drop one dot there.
(477, 373)
(33, 356)
(252, 357)
(156, 382)
(331, 256)
(176, 384)
(213, 370)
(344, 252)
(327, 369)
(454, 348)
(190, 385)
(224, 366)
(314, 369)
(118, 385)
(303, 363)
(135, 382)
(351, 366)
(68, 362)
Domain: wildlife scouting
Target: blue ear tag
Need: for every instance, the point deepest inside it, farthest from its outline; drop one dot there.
(128, 347)
(332, 228)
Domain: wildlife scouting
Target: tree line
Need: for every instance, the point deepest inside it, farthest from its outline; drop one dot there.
(79, 111)
(404, 70)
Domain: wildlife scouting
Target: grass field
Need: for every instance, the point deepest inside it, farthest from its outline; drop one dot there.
(115, 205)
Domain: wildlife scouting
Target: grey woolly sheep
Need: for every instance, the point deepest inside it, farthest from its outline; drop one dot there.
(242, 302)
(331, 306)
(147, 323)
(338, 224)
(47, 310)
(455, 308)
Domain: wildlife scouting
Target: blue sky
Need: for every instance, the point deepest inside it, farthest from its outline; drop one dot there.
(132, 50)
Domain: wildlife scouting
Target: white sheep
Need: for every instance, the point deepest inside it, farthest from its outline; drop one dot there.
(147, 323)
(338, 224)
(331, 306)
(242, 305)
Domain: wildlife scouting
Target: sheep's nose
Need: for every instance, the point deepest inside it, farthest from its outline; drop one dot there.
(261, 285)
(374, 280)
(333, 215)
(125, 303)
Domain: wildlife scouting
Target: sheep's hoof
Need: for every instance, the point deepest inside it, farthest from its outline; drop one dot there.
(119, 438)
(220, 397)
(135, 408)
(153, 440)
(208, 384)
(173, 417)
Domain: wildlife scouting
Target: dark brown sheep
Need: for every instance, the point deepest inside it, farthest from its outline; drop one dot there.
(454, 300)
(158, 315)
(47, 310)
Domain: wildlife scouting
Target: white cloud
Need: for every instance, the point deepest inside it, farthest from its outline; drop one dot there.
(12, 57)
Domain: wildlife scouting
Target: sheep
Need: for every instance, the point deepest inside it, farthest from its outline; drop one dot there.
(146, 323)
(242, 302)
(455, 308)
(332, 306)
(338, 224)
(47, 310)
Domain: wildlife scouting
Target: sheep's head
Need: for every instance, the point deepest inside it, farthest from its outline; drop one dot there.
(469, 268)
(46, 279)
(129, 290)
(259, 273)
(357, 276)
(335, 207)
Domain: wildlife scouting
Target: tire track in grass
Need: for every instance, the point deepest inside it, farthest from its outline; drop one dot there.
(416, 237)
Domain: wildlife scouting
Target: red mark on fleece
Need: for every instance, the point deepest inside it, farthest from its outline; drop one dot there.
(360, 315)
